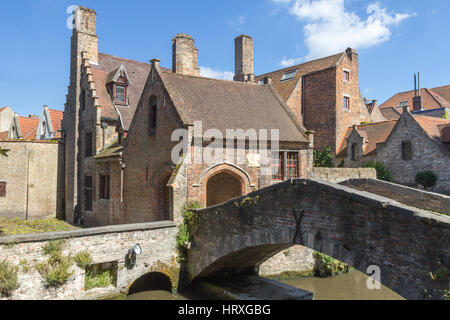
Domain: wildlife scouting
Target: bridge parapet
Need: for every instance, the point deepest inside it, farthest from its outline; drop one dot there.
(356, 227)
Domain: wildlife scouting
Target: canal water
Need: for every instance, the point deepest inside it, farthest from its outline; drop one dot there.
(350, 286)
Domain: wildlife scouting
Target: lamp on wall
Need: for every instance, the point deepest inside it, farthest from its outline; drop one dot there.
(130, 258)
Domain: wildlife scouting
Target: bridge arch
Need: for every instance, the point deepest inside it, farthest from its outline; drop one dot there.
(151, 281)
(354, 227)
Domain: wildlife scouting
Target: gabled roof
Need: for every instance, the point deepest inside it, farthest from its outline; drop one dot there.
(28, 127)
(437, 129)
(430, 99)
(222, 104)
(373, 133)
(285, 88)
(56, 117)
(443, 92)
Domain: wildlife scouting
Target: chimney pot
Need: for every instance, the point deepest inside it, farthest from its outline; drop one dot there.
(155, 62)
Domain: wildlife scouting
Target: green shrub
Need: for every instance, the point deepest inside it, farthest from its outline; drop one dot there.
(53, 247)
(101, 280)
(184, 229)
(427, 179)
(8, 279)
(25, 266)
(383, 172)
(323, 159)
(55, 270)
(83, 259)
(326, 266)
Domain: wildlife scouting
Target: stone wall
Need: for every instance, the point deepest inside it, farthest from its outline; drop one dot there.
(409, 196)
(105, 245)
(32, 174)
(337, 175)
(355, 227)
(295, 259)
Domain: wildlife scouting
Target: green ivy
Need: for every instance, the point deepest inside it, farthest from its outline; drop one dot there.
(427, 179)
(326, 266)
(185, 229)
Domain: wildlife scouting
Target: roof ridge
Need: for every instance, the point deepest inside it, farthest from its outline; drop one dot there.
(213, 79)
(372, 124)
(300, 64)
(107, 54)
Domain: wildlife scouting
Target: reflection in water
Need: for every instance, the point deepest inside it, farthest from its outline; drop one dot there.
(350, 286)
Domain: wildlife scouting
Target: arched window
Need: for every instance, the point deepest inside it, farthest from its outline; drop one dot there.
(44, 128)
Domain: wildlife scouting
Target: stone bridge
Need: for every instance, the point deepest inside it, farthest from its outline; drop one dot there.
(356, 227)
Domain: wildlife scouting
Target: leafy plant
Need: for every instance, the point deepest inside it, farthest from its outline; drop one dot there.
(8, 279)
(101, 280)
(427, 179)
(383, 172)
(55, 270)
(83, 259)
(326, 266)
(184, 235)
(323, 159)
(442, 274)
(4, 152)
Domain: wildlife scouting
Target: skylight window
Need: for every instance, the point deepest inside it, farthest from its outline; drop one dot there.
(403, 104)
(289, 75)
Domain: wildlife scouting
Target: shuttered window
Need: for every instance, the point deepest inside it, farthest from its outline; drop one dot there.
(406, 151)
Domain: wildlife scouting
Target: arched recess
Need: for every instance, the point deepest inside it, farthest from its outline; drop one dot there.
(151, 281)
(223, 182)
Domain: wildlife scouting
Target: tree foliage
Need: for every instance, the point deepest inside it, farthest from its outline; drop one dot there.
(323, 159)
(383, 172)
(427, 179)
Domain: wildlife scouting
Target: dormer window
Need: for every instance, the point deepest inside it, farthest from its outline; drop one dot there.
(118, 82)
(120, 94)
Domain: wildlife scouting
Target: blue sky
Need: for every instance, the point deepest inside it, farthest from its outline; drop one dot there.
(394, 39)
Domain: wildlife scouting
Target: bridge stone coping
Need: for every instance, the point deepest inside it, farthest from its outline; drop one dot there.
(407, 195)
(38, 237)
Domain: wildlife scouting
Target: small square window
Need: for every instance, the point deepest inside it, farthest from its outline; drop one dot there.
(346, 103)
(120, 94)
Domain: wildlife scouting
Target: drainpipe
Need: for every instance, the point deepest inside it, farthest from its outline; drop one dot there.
(104, 126)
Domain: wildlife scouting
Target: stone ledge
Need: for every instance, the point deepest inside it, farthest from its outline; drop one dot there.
(87, 232)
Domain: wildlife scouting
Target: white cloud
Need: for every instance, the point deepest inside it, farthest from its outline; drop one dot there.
(237, 23)
(287, 62)
(331, 28)
(216, 74)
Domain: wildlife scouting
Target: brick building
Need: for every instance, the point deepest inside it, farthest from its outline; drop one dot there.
(155, 187)
(117, 172)
(324, 94)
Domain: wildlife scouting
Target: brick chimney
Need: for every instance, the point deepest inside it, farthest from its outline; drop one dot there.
(185, 55)
(244, 59)
(84, 38)
(417, 99)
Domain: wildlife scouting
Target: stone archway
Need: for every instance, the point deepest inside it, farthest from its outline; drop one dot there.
(222, 187)
(151, 281)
